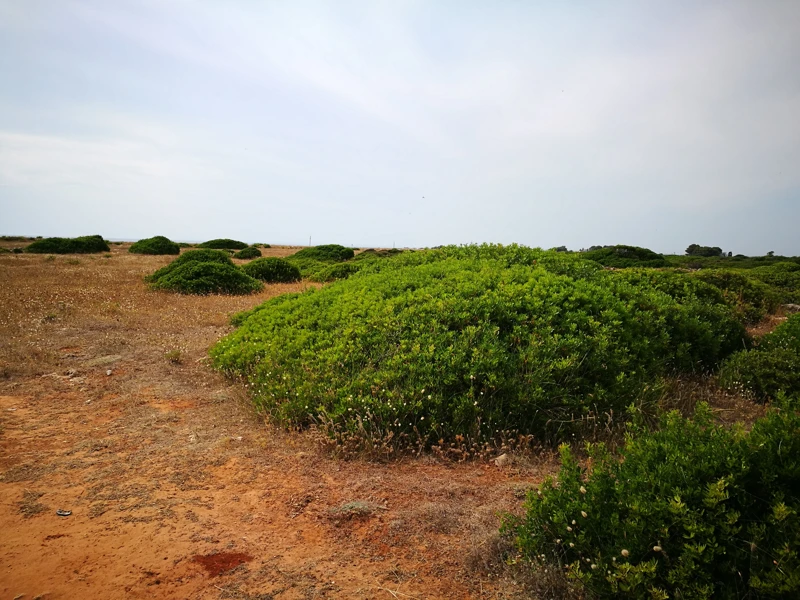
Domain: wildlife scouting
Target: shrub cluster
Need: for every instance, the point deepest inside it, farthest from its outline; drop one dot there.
(325, 253)
(248, 253)
(783, 276)
(223, 244)
(203, 272)
(692, 510)
(80, 245)
(468, 342)
(155, 245)
(272, 270)
(752, 299)
(771, 367)
(335, 271)
(621, 257)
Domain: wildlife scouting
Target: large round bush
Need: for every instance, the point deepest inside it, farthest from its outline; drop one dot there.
(207, 278)
(457, 346)
(204, 255)
(155, 245)
(272, 270)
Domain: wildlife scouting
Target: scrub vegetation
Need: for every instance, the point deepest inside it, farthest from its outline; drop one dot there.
(155, 245)
(89, 244)
(458, 350)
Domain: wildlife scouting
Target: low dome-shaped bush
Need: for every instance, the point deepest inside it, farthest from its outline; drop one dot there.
(463, 346)
(325, 253)
(207, 278)
(621, 257)
(204, 255)
(155, 245)
(272, 270)
(223, 244)
(247, 253)
(88, 244)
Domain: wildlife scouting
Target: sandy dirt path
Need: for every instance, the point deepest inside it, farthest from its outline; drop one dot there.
(177, 488)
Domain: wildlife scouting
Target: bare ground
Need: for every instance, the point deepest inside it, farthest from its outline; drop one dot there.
(178, 489)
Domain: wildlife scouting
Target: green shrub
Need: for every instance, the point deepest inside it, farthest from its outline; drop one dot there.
(155, 245)
(223, 244)
(460, 346)
(693, 510)
(783, 276)
(4, 250)
(272, 270)
(80, 245)
(247, 253)
(621, 257)
(703, 328)
(334, 272)
(326, 253)
(204, 255)
(207, 278)
(753, 299)
(185, 245)
(771, 367)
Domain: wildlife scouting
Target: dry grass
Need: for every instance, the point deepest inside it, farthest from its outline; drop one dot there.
(30, 506)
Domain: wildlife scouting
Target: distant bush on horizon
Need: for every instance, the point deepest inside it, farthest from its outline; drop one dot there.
(88, 244)
(621, 257)
(223, 244)
(158, 245)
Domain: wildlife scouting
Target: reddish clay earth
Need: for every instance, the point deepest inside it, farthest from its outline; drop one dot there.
(178, 489)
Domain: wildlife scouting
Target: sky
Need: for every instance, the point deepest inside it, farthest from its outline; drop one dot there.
(404, 123)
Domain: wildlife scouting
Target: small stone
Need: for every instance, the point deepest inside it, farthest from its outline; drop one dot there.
(108, 372)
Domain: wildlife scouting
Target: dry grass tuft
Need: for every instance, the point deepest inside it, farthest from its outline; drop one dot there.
(30, 506)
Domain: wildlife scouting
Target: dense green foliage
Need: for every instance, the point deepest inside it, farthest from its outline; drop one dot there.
(335, 271)
(325, 253)
(727, 262)
(621, 257)
(692, 510)
(155, 245)
(204, 255)
(698, 250)
(223, 244)
(472, 340)
(207, 278)
(248, 253)
(771, 367)
(752, 298)
(783, 276)
(272, 270)
(80, 245)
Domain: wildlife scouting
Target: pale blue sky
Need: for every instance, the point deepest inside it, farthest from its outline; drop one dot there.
(545, 123)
